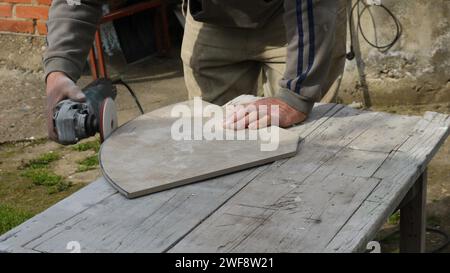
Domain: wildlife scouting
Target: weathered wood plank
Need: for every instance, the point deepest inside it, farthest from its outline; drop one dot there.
(319, 223)
(15, 239)
(387, 135)
(294, 205)
(398, 173)
(320, 114)
(296, 194)
(300, 220)
(149, 223)
(152, 222)
(288, 207)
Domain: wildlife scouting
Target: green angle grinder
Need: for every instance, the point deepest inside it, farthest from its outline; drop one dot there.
(77, 120)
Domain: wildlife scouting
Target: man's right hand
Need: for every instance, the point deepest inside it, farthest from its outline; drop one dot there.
(59, 87)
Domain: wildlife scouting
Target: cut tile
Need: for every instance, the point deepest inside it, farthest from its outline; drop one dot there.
(142, 157)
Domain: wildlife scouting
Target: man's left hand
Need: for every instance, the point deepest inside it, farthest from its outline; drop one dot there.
(260, 114)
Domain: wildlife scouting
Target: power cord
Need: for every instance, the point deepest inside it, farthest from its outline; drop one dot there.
(443, 245)
(121, 82)
(360, 12)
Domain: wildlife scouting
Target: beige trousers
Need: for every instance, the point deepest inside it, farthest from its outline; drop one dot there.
(222, 63)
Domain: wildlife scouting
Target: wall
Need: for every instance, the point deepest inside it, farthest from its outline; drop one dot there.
(417, 69)
(24, 16)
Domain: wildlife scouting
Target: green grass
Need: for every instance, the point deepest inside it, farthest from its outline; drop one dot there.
(43, 177)
(42, 161)
(20, 199)
(89, 145)
(38, 172)
(88, 163)
(394, 219)
(32, 186)
(11, 217)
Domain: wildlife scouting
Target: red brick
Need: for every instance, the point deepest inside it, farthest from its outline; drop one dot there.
(16, 26)
(44, 2)
(41, 27)
(17, 1)
(5, 10)
(32, 12)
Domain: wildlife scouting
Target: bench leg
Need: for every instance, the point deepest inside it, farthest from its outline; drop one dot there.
(413, 218)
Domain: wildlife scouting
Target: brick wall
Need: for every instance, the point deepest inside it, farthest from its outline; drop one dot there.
(24, 16)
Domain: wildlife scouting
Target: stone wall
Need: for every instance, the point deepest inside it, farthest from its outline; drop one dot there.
(416, 70)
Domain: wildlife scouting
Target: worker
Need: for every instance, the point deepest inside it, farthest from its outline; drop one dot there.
(297, 47)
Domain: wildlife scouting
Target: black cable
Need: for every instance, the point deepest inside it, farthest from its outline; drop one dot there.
(397, 25)
(444, 235)
(444, 244)
(351, 54)
(121, 82)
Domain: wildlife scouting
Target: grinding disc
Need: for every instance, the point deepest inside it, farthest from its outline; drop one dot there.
(108, 118)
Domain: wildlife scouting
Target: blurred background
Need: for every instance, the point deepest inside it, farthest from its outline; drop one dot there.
(401, 65)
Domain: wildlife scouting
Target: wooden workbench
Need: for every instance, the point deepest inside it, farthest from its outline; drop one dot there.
(353, 170)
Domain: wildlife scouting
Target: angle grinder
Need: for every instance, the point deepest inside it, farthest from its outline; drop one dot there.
(77, 120)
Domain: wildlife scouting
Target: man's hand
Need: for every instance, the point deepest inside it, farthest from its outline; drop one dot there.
(59, 87)
(260, 114)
